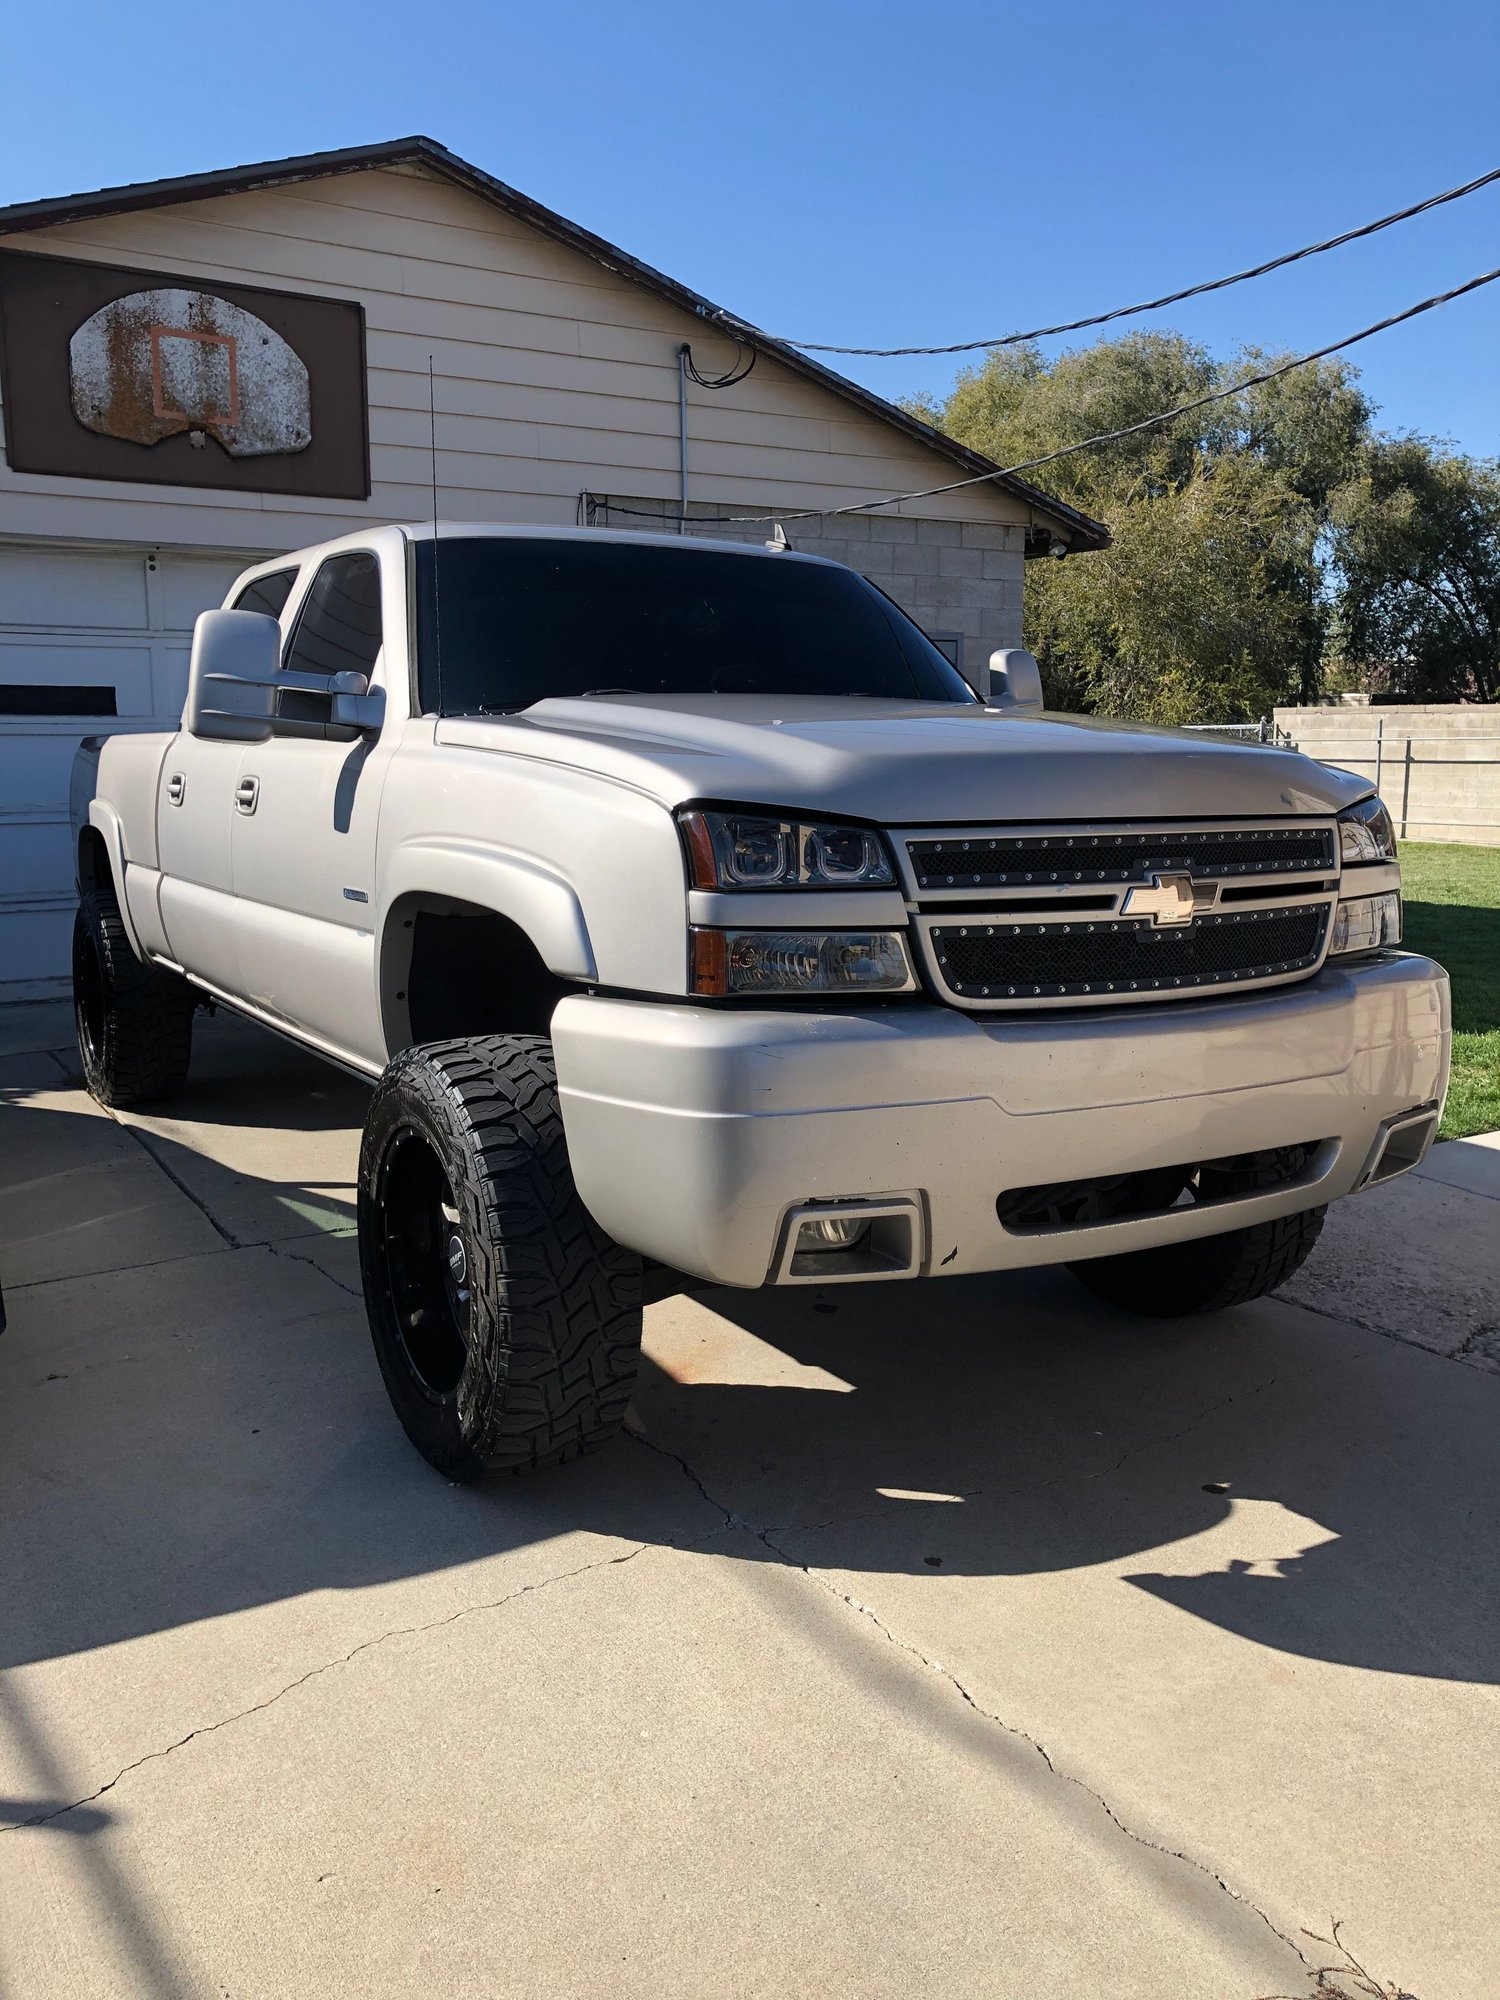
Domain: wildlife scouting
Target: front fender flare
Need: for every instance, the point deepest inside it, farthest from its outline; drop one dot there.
(543, 903)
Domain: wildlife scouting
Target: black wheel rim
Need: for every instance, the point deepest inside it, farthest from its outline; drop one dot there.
(426, 1264)
(88, 998)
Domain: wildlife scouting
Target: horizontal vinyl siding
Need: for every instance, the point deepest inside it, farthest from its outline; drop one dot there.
(553, 374)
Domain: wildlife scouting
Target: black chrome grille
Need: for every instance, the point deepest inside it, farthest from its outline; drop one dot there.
(1066, 960)
(1009, 861)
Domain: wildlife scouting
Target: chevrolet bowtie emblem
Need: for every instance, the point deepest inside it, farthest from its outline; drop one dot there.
(1166, 899)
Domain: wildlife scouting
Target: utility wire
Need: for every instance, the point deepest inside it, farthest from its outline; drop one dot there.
(743, 363)
(1103, 437)
(1168, 298)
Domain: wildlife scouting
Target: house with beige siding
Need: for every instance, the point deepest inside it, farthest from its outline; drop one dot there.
(200, 372)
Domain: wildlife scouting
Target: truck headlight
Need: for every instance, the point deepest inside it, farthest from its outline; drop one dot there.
(735, 850)
(726, 963)
(1366, 923)
(1366, 833)
(1371, 921)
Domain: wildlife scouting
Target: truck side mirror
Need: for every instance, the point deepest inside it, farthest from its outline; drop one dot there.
(232, 676)
(1015, 681)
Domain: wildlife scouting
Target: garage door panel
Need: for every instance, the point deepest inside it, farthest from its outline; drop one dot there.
(35, 765)
(61, 587)
(169, 679)
(188, 585)
(37, 849)
(37, 938)
(69, 619)
(120, 665)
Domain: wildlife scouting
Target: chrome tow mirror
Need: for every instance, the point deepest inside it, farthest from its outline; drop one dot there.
(1015, 681)
(238, 691)
(232, 676)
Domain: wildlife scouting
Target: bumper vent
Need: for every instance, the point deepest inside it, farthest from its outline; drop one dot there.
(1082, 960)
(1060, 1205)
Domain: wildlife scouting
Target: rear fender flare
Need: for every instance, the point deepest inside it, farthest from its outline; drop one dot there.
(105, 821)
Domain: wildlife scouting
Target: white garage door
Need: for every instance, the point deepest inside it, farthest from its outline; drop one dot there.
(90, 641)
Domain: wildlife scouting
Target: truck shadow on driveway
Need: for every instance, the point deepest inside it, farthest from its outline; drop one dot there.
(194, 1435)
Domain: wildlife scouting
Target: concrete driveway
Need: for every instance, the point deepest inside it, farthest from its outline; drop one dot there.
(957, 1639)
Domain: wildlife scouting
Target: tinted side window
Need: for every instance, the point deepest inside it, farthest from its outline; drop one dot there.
(268, 593)
(338, 627)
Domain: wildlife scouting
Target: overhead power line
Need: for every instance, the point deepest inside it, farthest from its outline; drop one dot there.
(1168, 298)
(1223, 395)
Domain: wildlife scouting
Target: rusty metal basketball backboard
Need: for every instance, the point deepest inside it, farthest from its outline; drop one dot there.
(174, 380)
(154, 364)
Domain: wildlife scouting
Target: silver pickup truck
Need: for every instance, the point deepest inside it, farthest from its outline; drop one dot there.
(684, 904)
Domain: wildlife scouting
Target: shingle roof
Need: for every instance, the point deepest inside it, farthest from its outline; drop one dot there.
(1056, 517)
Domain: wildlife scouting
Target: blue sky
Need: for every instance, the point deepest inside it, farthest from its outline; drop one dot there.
(871, 172)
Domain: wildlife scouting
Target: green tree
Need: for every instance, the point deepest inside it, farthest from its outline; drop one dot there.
(1204, 607)
(1213, 601)
(1017, 406)
(1416, 544)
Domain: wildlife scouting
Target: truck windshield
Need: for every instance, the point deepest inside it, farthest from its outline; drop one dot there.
(518, 619)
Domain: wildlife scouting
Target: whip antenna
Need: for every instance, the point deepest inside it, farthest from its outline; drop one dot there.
(437, 627)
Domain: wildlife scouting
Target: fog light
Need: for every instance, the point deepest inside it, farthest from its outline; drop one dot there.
(1366, 923)
(832, 1232)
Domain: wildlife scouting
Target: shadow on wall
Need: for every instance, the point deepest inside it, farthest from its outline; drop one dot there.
(210, 1433)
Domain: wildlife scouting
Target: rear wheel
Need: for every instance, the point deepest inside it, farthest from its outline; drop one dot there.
(506, 1323)
(134, 1021)
(1208, 1275)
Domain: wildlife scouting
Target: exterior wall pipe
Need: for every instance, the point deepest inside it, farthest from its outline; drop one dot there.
(682, 465)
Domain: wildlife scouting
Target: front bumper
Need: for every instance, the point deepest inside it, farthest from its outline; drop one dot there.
(695, 1132)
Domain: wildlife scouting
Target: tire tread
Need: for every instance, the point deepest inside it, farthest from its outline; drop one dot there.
(148, 1027)
(556, 1303)
(1209, 1275)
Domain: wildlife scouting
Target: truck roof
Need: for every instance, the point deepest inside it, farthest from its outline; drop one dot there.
(426, 531)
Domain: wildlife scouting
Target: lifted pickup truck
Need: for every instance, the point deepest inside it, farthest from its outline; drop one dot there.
(683, 903)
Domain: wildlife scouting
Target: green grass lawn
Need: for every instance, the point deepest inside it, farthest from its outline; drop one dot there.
(1453, 914)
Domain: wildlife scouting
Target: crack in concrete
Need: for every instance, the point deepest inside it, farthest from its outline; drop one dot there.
(295, 1257)
(325, 1667)
(176, 1179)
(1486, 1330)
(114, 1270)
(231, 1241)
(784, 1556)
(181, 1185)
(1460, 1354)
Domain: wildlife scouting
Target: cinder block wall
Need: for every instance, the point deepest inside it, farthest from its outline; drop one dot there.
(960, 580)
(1436, 765)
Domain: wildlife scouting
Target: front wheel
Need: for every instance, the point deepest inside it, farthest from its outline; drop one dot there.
(506, 1323)
(1208, 1275)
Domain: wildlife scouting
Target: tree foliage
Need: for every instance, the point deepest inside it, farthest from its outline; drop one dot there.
(1253, 541)
(1416, 538)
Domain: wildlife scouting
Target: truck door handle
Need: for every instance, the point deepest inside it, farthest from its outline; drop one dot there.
(246, 793)
(176, 789)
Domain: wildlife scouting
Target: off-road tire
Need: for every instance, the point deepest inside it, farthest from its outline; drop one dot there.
(134, 1020)
(536, 1358)
(1209, 1275)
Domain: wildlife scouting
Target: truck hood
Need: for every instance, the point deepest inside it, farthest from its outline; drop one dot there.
(911, 764)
